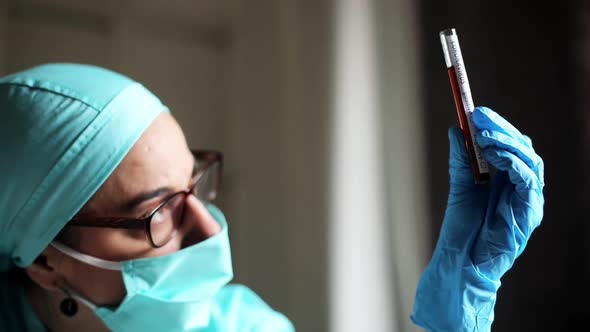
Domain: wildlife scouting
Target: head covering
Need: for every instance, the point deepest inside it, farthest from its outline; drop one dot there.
(64, 128)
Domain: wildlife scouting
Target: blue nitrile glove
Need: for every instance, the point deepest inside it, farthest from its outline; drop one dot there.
(486, 227)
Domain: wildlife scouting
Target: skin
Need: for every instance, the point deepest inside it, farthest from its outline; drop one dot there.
(159, 159)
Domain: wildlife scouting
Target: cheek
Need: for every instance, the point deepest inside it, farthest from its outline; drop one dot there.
(113, 244)
(100, 286)
(119, 244)
(105, 287)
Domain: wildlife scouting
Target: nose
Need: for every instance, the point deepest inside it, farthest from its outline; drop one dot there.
(198, 224)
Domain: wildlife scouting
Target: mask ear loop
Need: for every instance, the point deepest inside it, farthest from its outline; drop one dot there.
(69, 306)
(97, 262)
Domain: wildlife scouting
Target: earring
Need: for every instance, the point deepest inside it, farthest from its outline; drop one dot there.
(68, 306)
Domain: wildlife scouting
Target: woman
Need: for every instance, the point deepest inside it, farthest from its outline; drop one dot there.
(106, 221)
(99, 207)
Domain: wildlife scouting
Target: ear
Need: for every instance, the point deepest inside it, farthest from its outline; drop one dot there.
(45, 270)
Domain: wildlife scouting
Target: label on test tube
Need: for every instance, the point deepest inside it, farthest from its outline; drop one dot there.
(454, 60)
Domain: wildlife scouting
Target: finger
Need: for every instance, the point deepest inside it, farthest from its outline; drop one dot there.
(521, 175)
(459, 167)
(507, 229)
(528, 141)
(496, 139)
(486, 119)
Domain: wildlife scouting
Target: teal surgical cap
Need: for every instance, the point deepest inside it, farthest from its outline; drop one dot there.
(64, 128)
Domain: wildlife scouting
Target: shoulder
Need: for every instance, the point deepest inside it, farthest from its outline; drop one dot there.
(238, 308)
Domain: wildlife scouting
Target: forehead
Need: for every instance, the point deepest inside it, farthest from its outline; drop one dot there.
(160, 158)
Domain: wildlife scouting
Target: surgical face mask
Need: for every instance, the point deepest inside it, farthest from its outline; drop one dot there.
(166, 293)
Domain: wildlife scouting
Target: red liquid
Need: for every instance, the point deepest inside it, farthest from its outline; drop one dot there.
(479, 176)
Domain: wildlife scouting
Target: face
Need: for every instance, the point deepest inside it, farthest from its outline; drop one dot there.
(158, 165)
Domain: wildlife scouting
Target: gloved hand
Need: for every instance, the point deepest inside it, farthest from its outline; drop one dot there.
(486, 227)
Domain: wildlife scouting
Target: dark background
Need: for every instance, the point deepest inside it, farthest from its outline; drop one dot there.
(523, 60)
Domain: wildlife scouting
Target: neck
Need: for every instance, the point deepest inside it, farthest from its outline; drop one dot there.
(46, 305)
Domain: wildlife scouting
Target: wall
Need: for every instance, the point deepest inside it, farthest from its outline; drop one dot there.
(255, 79)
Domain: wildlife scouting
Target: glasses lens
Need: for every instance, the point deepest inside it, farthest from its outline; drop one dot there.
(166, 220)
(206, 187)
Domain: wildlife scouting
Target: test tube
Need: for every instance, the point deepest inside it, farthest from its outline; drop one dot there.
(463, 102)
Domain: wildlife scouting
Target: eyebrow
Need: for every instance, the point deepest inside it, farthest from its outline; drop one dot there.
(136, 201)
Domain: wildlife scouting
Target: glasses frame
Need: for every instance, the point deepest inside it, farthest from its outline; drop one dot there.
(204, 159)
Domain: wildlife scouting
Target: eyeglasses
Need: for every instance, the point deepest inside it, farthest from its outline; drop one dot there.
(161, 224)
